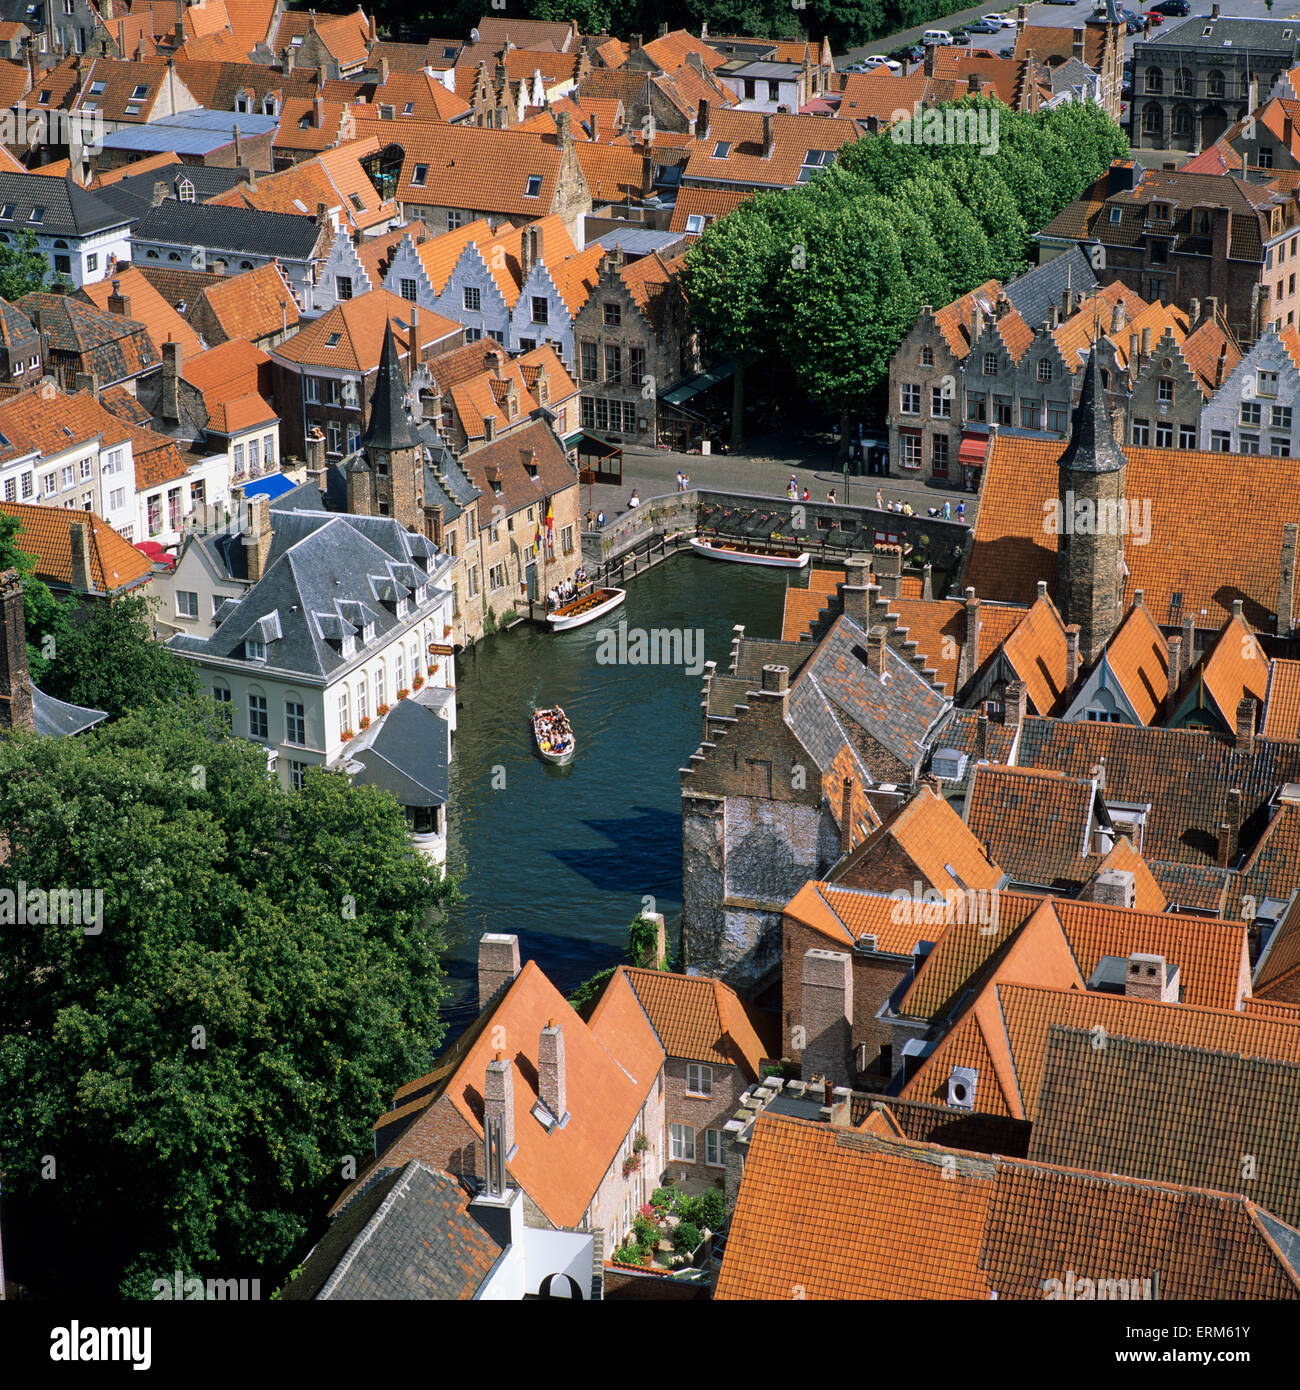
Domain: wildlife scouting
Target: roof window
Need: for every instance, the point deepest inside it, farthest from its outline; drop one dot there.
(333, 340)
(533, 189)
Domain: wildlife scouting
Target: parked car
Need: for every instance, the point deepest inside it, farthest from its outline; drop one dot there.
(1003, 21)
(1058, 2)
(908, 53)
(1155, 17)
(940, 37)
(983, 27)
(1006, 52)
(1176, 9)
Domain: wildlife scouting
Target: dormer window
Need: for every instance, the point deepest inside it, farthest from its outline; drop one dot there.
(333, 340)
(348, 645)
(403, 607)
(368, 631)
(254, 650)
(270, 107)
(386, 113)
(419, 174)
(533, 188)
(185, 191)
(305, 123)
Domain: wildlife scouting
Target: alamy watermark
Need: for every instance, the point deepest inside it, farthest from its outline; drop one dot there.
(1077, 1290)
(977, 126)
(922, 906)
(55, 907)
(656, 646)
(82, 130)
(191, 1288)
(1091, 516)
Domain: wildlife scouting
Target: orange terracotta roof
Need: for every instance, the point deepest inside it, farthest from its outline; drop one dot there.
(613, 172)
(1277, 976)
(359, 324)
(1037, 653)
(166, 160)
(426, 97)
(146, 306)
(239, 414)
(576, 276)
(1282, 701)
(250, 21)
(739, 134)
(843, 915)
(45, 534)
(1236, 667)
(709, 203)
(1189, 553)
(1124, 858)
(253, 304)
(699, 1019)
(1138, 657)
(232, 369)
(671, 50)
(39, 419)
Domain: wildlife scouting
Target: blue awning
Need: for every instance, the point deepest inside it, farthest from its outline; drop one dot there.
(274, 486)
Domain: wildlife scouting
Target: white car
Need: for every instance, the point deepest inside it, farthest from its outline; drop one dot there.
(1004, 21)
(878, 60)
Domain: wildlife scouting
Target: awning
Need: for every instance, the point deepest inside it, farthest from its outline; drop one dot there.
(696, 384)
(274, 486)
(973, 449)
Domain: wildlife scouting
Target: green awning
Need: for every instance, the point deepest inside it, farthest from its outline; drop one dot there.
(696, 384)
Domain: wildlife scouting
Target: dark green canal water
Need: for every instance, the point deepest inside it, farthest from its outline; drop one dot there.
(564, 856)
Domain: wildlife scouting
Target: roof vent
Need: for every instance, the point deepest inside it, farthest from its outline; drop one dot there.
(868, 941)
(961, 1088)
(949, 765)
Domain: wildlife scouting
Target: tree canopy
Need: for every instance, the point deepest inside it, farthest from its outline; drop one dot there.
(189, 1086)
(46, 617)
(826, 280)
(23, 266)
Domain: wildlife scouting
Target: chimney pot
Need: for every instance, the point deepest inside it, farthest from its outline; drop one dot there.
(498, 964)
(1246, 724)
(1016, 704)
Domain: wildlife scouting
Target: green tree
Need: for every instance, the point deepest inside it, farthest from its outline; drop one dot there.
(266, 973)
(45, 616)
(107, 659)
(23, 266)
(967, 256)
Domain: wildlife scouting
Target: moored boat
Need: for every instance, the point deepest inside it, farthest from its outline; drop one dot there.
(585, 609)
(553, 735)
(747, 553)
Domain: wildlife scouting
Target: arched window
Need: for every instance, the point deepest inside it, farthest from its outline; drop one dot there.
(60, 245)
(1182, 120)
(185, 191)
(381, 686)
(151, 255)
(415, 659)
(171, 255)
(400, 669)
(1214, 84)
(245, 265)
(1155, 80)
(1152, 120)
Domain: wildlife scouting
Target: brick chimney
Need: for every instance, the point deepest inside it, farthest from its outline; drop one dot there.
(1151, 977)
(889, 573)
(1286, 580)
(498, 964)
(316, 457)
(702, 120)
(170, 405)
(1115, 888)
(846, 816)
(1189, 645)
(79, 540)
(876, 650)
(1173, 675)
(257, 540)
(972, 633)
(1071, 655)
(550, 1070)
(499, 1104)
(855, 592)
(413, 359)
(16, 701)
(769, 139)
(118, 303)
(1016, 704)
(159, 193)
(1246, 724)
(827, 1017)
(564, 130)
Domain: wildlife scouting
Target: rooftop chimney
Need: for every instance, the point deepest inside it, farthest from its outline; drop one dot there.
(972, 633)
(1189, 645)
(1071, 655)
(846, 816)
(79, 539)
(1016, 704)
(257, 540)
(159, 193)
(498, 1122)
(769, 139)
(1151, 977)
(16, 701)
(1115, 888)
(1173, 675)
(170, 405)
(550, 1070)
(876, 650)
(1286, 580)
(827, 1015)
(702, 120)
(1246, 724)
(118, 303)
(498, 964)
(316, 457)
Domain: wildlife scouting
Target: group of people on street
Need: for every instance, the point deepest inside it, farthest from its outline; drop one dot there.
(683, 481)
(793, 493)
(566, 590)
(905, 508)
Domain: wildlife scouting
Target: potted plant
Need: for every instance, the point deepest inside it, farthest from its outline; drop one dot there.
(383, 709)
(365, 721)
(417, 682)
(640, 1143)
(347, 734)
(446, 631)
(403, 693)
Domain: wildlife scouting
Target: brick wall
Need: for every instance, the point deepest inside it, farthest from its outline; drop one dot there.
(699, 1113)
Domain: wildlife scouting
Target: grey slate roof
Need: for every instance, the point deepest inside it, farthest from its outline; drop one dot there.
(445, 482)
(405, 753)
(70, 210)
(898, 712)
(389, 426)
(134, 195)
(237, 230)
(306, 497)
(56, 719)
(638, 241)
(326, 576)
(408, 1236)
(1092, 447)
(1258, 35)
(1071, 73)
(1033, 293)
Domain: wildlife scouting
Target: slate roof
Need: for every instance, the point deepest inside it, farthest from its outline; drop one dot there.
(298, 597)
(899, 712)
(1259, 35)
(1277, 975)
(939, 1124)
(405, 753)
(234, 230)
(837, 1214)
(446, 483)
(57, 719)
(1034, 293)
(146, 306)
(1035, 824)
(1171, 1114)
(113, 347)
(70, 210)
(133, 194)
(408, 1236)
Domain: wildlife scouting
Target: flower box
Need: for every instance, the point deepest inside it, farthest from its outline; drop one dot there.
(383, 709)
(402, 694)
(417, 682)
(365, 721)
(347, 734)
(446, 632)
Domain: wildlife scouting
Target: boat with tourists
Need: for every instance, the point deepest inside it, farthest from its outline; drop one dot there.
(554, 735)
(585, 609)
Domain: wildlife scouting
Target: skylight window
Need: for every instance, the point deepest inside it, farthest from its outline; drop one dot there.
(90, 106)
(333, 340)
(814, 162)
(356, 202)
(141, 91)
(45, 96)
(408, 109)
(305, 123)
(534, 186)
(38, 215)
(1115, 214)
(97, 89)
(132, 109)
(419, 174)
(695, 223)
(6, 212)
(722, 149)
(448, 52)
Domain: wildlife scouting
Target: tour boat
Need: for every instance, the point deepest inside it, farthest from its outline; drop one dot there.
(554, 735)
(747, 553)
(585, 609)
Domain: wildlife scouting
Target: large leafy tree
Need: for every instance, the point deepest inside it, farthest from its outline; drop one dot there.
(46, 617)
(23, 266)
(183, 1090)
(107, 659)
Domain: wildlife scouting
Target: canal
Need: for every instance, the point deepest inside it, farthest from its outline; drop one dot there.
(563, 857)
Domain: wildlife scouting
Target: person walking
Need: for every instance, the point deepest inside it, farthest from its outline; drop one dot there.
(880, 500)
(961, 511)
(634, 500)
(600, 519)
(947, 511)
(830, 496)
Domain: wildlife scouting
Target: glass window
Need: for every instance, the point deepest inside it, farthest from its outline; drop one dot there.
(257, 722)
(1044, 369)
(295, 722)
(613, 313)
(1221, 441)
(699, 1079)
(472, 298)
(187, 604)
(345, 711)
(408, 289)
(713, 1148)
(682, 1143)
(1251, 413)
(1142, 432)
(221, 694)
(910, 402)
(940, 403)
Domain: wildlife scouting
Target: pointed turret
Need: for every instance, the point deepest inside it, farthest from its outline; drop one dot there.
(1092, 447)
(389, 427)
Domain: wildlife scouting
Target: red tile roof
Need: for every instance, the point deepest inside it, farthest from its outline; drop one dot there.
(45, 533)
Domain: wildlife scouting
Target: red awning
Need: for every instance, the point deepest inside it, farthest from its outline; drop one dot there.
(973, 449)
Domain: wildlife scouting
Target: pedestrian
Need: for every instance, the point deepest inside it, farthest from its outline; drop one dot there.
(947, 511)
(794, 483)
(807, 496)
(681, 481)
(830, 496)
(600, 519)
(634, 500)
(907, 509)
(961, 511)
(880, 500)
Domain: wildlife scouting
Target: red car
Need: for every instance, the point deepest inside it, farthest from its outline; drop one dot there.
(1155, 17)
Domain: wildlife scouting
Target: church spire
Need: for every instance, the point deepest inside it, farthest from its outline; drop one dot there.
(1092, 447)
(390, 426)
